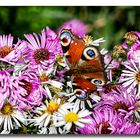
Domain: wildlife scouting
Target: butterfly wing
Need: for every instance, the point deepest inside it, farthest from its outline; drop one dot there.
(86, 65)
(72, 47)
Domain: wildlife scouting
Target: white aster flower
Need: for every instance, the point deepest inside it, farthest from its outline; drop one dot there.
(47, 110)
(131, 76)
(67, 118)
(11, 117)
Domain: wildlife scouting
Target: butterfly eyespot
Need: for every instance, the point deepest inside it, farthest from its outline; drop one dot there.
(80, 94)
(90, 53)
(65, 39)
(98, 82)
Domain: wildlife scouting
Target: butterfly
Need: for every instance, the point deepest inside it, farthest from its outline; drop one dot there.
(85, 62)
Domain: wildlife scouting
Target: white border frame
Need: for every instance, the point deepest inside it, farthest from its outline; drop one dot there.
(69, 2)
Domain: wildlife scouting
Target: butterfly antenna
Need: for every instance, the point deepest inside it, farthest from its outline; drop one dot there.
(108, 64)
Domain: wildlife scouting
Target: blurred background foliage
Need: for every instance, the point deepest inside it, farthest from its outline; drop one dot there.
(108, 22)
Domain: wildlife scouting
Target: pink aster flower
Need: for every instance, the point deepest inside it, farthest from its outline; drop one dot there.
(25, 89)
(135, 55)
(11, 52)
(89, 128)
(130, 128)
(77, 27)
(43, 49)
(104, 121)
(4, 86)
(134, 49)
(120, 101)
(134, 52)
(131, 39)
(110, 65)
(31, 91)
(19, 54)
(6, 45)
(107, 58)
(115, 64)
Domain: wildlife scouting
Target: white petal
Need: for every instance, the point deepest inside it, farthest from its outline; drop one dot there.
(47, 120)
(76, 106)
(48, 92)
(1, 120)
(89, 103)
(138, 94)
(134, 65)
(5, 132)
(61, 123)
(68, 126)
(40, 119)
(10, 121)
(126, 79)
(16, 121)
(56, 84)
(94, 97)
(83, 113)
(72, 98)
(127, 74)
(126, 71)
(5, 123)
(130, 68)
(85, 120)
(9, 125)
(128, 83)
(62, 111)
(79, 124)
(82, 105)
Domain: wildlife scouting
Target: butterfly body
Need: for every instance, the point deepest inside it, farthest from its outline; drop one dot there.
(85, 64)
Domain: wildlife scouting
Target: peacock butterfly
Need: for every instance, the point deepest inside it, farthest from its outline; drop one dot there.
(85, 63)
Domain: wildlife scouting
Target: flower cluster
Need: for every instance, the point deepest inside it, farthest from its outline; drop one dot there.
(36, 96)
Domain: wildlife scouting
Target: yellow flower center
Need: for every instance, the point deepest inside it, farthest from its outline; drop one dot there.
(71, 117)
(88, 40)
(6, 109)
(60, 58)
(43, 77)
(52, 107)
(138, 77)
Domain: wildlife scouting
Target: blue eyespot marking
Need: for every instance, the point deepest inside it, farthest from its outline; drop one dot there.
(65, 38)
(98, 82)
(91, 53)
(65, 34)
(81, 94)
